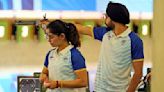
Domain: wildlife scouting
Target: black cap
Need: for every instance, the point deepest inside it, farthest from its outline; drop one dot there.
(118, 12)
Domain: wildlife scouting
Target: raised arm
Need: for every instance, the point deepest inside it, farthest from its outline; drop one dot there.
(86, 30)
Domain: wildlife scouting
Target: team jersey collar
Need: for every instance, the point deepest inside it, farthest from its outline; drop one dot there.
(65, 50)
(125, 33)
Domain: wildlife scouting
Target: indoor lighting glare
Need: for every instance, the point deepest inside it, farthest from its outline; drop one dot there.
(2, 31)
(144, 30)
(25, 30)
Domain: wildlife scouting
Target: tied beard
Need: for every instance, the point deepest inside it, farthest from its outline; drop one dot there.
(111, 27)
(108, 28)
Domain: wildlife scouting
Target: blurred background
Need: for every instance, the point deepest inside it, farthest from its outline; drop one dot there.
(23, 45)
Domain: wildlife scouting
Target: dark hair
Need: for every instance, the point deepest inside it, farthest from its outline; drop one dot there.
(57, 27)
(118, 12)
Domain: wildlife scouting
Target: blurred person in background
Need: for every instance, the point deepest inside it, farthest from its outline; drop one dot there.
(64, 67)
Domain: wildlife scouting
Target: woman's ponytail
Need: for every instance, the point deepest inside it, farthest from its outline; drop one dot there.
(73, 35)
